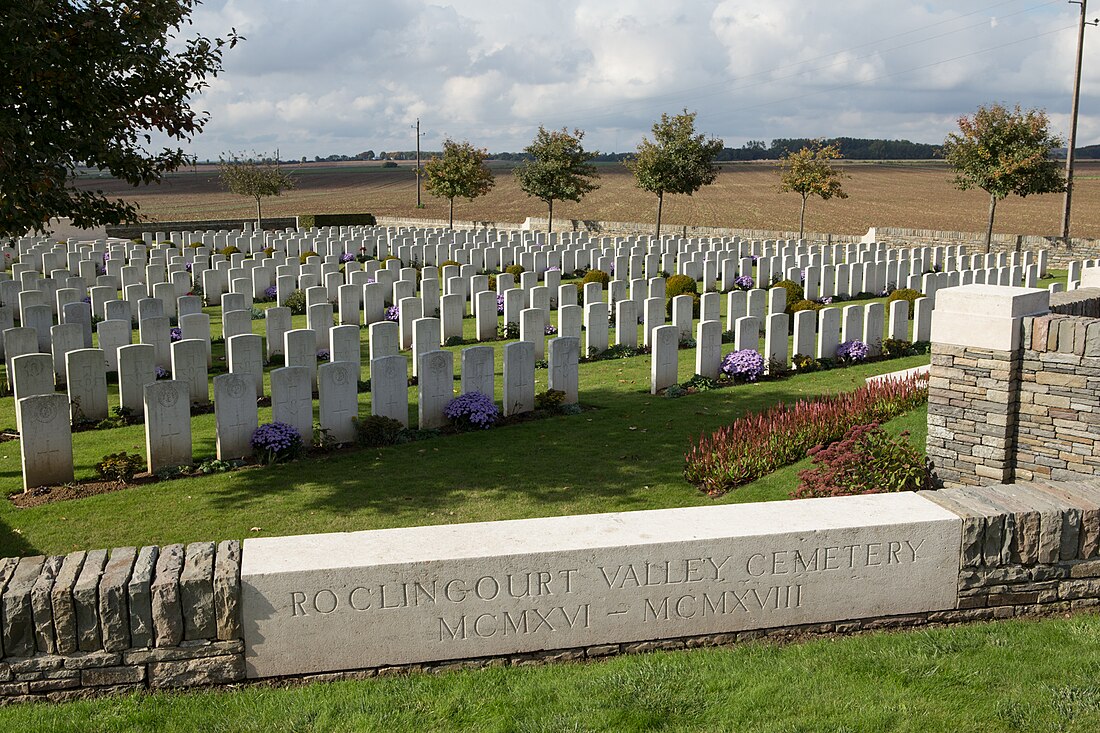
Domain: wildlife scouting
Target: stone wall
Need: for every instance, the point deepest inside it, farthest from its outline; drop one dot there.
(103, 622)
(1060, 253)
(133, 231)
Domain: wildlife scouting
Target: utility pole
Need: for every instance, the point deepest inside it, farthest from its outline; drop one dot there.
(418, 162)
(1073, 116)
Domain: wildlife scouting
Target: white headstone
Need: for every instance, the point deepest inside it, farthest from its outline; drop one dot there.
(87, 384)
(519, 377)
(244, 356)
(45, 440)
(435, 388)
(167, 425)
(189, 366)
(478, 369)
(389, 385)
(299, 349)
(136, 368)
(564, 369)
(278, 322)
(708, 348)
(235, 414)
(337, 395)
(292, 399)
(665, 359)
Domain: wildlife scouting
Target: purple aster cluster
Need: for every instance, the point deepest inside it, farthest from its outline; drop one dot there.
(744, 282)
(323, 355)
(745, 364)
(854, 350)
(553, 268)
(346, 257)
(393, 313)
(176, 334)
(802, 275)
(276, 441)
(827, 300)
(187, 267)
(500, 305)
(472, 410)
(550, 329)
(86, 299)
(271, 292)
(161, 373)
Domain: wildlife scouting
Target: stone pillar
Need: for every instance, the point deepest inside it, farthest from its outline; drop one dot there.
(973, 392)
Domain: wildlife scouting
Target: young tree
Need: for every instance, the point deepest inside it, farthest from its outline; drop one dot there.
(255, 176)
(677, 160)
(85, 83)
(460, 172)
(559, 169)
(1004, 151)
(809, 173)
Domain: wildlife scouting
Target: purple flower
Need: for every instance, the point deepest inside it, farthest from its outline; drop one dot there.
(550, 330)
(755, 259)
(161, 373)
(323, 355)
(500, 305)
(827, 300)
(276, 441)
(746, 364)
(802, 275)
(176, 333)
(393, 313)
(472, 410)
(346, 257)
(744, 282)
(370, 281)
(553, 268)
(106, 256)
(852, 351)
(86, 299)
(271, 292)
(187, 267)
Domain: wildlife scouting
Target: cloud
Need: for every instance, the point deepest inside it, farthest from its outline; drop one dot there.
(340, 76)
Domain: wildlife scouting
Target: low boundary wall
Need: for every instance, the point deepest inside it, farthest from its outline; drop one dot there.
(348, 606)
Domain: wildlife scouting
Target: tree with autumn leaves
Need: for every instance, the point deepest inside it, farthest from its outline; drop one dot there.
(1004, 151)
(809, 172)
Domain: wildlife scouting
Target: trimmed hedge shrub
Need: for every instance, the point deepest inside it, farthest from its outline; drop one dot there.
(907, 294)
(794, 290)
(310, 221)
(596, 276)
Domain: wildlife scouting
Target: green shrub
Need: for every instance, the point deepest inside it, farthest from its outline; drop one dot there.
(229, 251)
(805, 363)
(680, 285)
(550, 399)
(803, 305)
(794, 290)
(893, 348)
(269, 251)
(296, 301)
(376, 431)
(306, 255)
(493, 282)
(309, 221)
(514, 270)
(120, 467)
(865, 461)
(596, 276)
(907, 294)
(695, 304)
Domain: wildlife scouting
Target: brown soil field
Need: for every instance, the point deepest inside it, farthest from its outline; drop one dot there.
(916, 195)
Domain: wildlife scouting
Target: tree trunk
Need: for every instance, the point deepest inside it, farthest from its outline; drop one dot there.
(989, 226)
(259, 221)
(660, 205)
(802, 218)
(451, 223)
(550, 218)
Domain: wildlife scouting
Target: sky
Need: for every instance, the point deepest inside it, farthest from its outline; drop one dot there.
(321, 77)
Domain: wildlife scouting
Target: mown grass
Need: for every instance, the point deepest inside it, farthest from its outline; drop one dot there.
(1019, 676)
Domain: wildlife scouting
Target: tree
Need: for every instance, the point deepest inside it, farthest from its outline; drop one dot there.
(676, 161)
(461, 171)
(1002, 152)
(255, 176)
(808, 172)
(85, 84)
(558, 169)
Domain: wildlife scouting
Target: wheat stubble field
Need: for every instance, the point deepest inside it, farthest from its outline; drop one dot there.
(917, 195)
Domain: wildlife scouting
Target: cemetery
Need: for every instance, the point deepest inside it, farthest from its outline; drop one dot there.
(347, 452)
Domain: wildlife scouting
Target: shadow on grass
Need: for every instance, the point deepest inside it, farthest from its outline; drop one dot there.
(13, 544)
(625, 455)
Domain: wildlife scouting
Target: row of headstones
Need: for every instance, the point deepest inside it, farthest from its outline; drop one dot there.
(816, 334)
(46, 437)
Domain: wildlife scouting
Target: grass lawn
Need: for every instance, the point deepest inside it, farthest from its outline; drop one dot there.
(1020, 676)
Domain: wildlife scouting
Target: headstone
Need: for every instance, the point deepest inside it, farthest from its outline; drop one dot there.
(292, 399)
(409, 309)
(80, 314)
(113, 335)
(337, 387)
(236, 323)
(32, 375)
(87, 384)
(708, 348)
(564, 375)
(626, 323)
(899, 320)
(478, 369)
(776, 342)
(682, 315)
(235, 414)
(344, 345)
(299, 349)
(828, 332)
(196, 326)
(746, 333)
(852, 324)
(805, 333)
(570, 321)
(278, 322)
(244, 356)
(189, 367)
(873, 325)
(665, 358)
(167, 425)
(45, 440)
(64, 337)
(435, 388)
(425, 339)
(487, 316)
(40, 318)
(532, 328)
(596, 328)
(389, 385)
(136, 368)
(384, 340)
(157, 333)
(519, 376)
